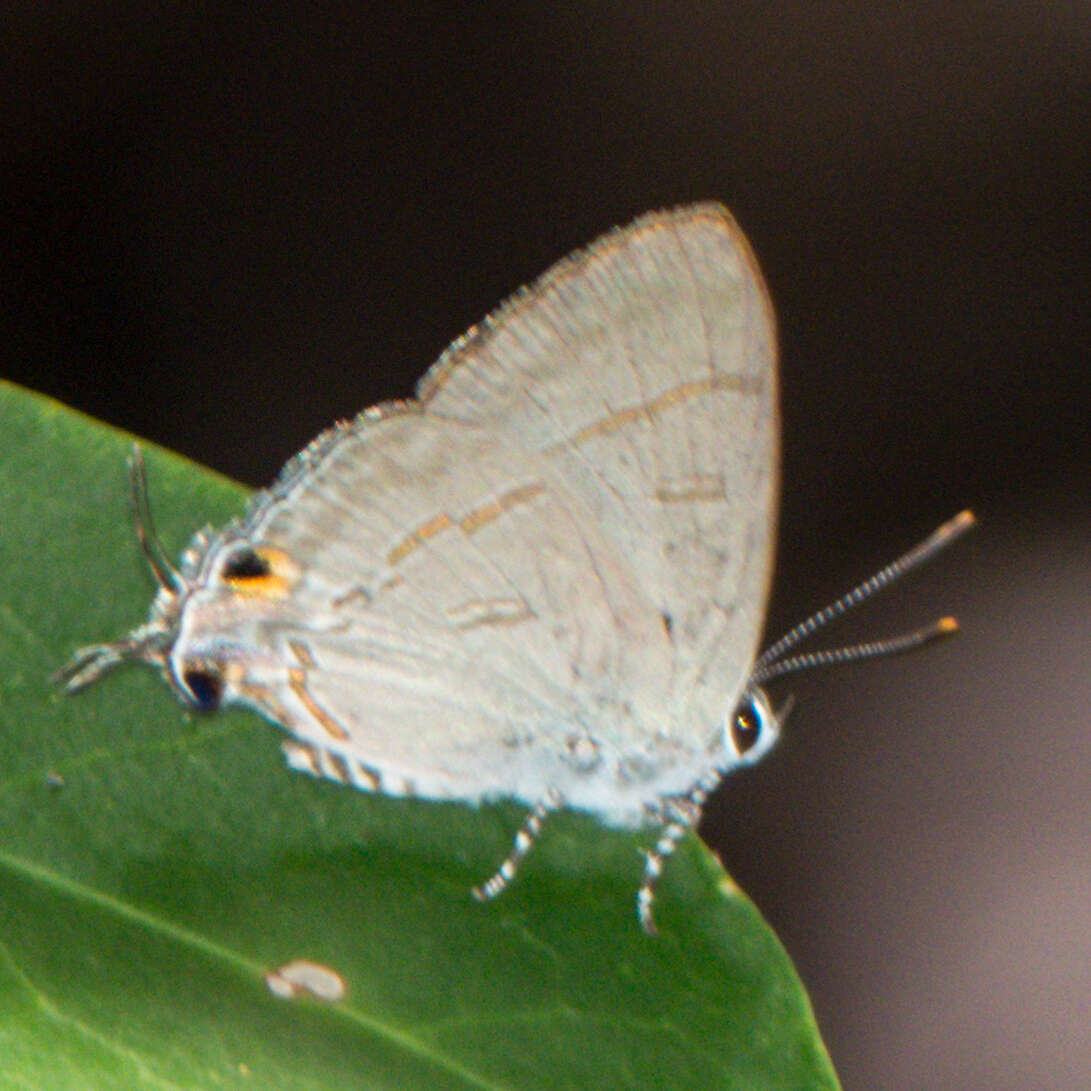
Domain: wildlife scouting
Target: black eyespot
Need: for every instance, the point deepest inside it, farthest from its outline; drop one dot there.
(245, 564)
(746, 725)
(204, 687)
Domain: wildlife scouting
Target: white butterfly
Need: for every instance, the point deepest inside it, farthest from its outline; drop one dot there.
(544, 578)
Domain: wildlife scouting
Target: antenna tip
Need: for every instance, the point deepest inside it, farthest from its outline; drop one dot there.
(952, 529)
(947, 626)
(959, 524)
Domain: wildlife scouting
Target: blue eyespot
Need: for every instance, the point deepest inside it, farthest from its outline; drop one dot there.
(203, 687)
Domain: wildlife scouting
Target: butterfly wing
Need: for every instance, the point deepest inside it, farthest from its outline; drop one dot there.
(645, 367)
(532, 571)
(455, 605)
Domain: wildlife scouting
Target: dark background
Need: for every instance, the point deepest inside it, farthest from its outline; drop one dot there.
(224, 232)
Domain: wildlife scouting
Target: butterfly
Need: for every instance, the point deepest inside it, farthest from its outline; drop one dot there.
(544, 577)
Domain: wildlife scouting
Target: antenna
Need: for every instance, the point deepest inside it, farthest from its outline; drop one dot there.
(772, 664)
(166, 575)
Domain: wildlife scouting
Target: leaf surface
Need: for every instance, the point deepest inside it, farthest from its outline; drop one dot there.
(155, 864)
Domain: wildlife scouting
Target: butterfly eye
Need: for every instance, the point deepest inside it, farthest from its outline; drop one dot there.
(245, 564)
(203, 687)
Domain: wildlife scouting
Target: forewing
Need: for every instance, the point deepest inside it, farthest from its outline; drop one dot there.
(644, 370)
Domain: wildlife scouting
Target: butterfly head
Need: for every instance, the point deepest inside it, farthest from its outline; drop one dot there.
(222, 585)
(155, 641)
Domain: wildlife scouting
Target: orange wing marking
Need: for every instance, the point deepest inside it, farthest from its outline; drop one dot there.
(418, 537)
(698, 487)
(694, 388)
(297, 683)
(470, 523)
(469, 615)
(473, 521)
(302, 653)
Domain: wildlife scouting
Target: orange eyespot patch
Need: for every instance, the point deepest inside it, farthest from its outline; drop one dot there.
(261, 571)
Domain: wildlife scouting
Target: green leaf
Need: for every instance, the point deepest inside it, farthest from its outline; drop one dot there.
(156, 864)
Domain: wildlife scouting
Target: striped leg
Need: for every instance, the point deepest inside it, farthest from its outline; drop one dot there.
(678, 815)
(524, 841)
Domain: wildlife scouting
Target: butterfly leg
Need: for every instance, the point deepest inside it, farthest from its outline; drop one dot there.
(524, 841)
(677, 815)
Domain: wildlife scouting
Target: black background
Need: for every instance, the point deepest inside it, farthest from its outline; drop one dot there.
(224, 231)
